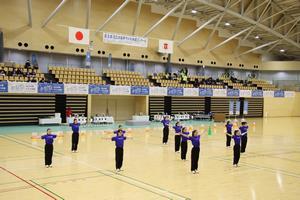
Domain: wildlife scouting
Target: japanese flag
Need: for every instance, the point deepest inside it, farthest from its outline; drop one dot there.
(79, 35)
(165, 46)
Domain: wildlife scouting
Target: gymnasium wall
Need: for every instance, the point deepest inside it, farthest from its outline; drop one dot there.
(16, 30)
(282, 107)
(120, 107)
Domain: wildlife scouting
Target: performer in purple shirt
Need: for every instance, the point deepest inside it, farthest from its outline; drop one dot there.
(236, 148)
(228, 133)
(177, 129)
(166, 123)
(49, 138)
(119, 151)
(184, 145)
(244, 136)
(75, 135)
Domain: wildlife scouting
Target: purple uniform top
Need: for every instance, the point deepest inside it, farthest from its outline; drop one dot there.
(119, 140)
(177, 129)
(49, 138)
(237, 139)
(165, 122)
(195, 140)
(244, 130)
(183, 138)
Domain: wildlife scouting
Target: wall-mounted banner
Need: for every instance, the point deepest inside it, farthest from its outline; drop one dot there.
(219, 92)
(205, 92)
(76, 88)
(121, 39)
(268, 93)
(237, 107)
(165, 46)
(278, 93)
(3, 86)
(231, 107)
(289, 94)
(50, 88)
(257, 93)
(246, 104)
(22, 87)
(233, 93)
(99, 89)
(158, 91)
(120, 90)
(192, 92)
(174, 91)
(139, 90)
(245, 93)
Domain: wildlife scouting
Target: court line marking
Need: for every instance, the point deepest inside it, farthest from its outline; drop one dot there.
(163, 193)
(47, 189)
(49, 195)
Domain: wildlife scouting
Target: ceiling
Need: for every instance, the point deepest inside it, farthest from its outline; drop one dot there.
(273, 25)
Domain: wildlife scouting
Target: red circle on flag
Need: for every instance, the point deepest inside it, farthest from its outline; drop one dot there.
(78, 35)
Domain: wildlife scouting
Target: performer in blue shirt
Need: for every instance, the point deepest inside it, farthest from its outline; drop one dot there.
(195, 139)
(166, 123)
(119, 151)
(75, 135)
(177, 129)
(228, 133)
(236, 148)
(244, 136)
(49, 138)
(184, 145)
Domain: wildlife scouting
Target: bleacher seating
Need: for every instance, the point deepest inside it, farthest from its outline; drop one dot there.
(10, 71)
(75, 75)
(161, 80)
(126, 78)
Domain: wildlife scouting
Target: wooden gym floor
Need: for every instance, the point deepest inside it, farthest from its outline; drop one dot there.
(269, 170)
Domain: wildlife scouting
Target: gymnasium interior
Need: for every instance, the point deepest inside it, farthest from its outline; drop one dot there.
(130, 65)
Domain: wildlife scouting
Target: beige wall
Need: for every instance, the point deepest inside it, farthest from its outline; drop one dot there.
(120, 107)
(282, 107)
(281, 66)
(14, 20)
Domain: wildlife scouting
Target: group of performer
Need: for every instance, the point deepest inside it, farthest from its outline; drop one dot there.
(182, 136)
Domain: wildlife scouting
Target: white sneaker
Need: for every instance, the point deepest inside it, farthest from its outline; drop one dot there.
(194, 172)
(47, 166)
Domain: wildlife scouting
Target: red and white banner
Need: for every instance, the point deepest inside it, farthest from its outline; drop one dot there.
(79, 35)
(165, 46)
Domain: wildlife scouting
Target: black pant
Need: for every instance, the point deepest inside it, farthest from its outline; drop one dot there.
(195, 158)
(243, 143)
(119, 157)
(183, 150)
(177, 142)
(48, 154)
(166, 134)
(236, 154)
(228, 140)
(75, 139)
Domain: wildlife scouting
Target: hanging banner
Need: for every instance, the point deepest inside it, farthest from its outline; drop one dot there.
(231, 107)
(219, 92)
(3, 86)
(120, 90)
(246, 104)
(22, 87)
(268, 93)
(289, 94)
(76, 88)
(233, 92)
(174, 91)
(139, 90)
(50, 88)
(237, 107)
(192, 92)
(245, 93)
(257, 93)
(99, 89)
(165, 46)
(205, 92)
(158, 91)
(121, 39)
(278, 93)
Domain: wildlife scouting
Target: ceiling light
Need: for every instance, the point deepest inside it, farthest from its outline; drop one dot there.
(282, 50)
(194, 11)
(227, 24)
